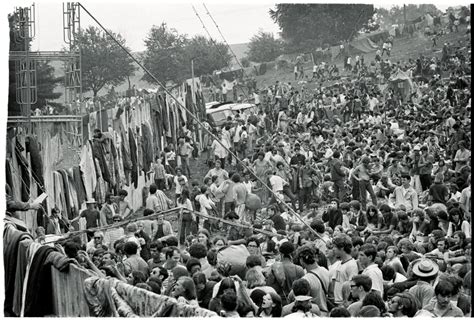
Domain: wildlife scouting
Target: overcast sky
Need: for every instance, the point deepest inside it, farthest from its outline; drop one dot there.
(238, 21)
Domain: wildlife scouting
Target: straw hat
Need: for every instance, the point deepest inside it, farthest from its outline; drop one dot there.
(425, 268)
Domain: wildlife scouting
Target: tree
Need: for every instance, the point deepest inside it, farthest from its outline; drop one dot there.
(413, 11)
(308, 26)
(168, 55)
(264, 47)
(245, 62)
(46, 80)
(165, 54)
(103, 62)
(207, 54)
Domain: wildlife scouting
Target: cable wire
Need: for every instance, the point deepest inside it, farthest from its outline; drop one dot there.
(218, 29)
(215, 43)
(197, 120)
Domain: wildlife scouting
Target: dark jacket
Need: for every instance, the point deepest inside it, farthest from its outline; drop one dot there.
(333, 217)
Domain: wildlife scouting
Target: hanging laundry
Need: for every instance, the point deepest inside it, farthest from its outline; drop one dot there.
(38, 299)
(66, 193)
(30, 254)
(20, 274)
(11, 241)
(9, 173)
(74, 198)
(133, 156)
(109, 297)
(24, 172)
(78, 179)
(88, 170)
(147, 146)
(98, 150)
(32, 148)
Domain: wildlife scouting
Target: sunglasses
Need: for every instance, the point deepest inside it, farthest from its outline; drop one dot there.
(100, 238)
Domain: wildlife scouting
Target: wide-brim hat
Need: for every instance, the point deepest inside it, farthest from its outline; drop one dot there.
(425, 268)
(91, 201)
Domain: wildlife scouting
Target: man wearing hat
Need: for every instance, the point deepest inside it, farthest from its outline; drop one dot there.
(426, 270)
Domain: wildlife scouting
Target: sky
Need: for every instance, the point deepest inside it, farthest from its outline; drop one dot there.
(238, 21)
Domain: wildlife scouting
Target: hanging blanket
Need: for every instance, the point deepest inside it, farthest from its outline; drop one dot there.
(11, 241)
(109, 297)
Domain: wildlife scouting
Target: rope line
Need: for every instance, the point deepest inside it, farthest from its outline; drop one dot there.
(155, 216)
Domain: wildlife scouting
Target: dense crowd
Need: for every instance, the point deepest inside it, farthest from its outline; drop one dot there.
(381, 179)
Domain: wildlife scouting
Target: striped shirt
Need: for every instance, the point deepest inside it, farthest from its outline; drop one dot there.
(158, 201)
(113, 235)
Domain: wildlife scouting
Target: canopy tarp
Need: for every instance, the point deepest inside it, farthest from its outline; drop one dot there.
(377, 36)
(364, 45)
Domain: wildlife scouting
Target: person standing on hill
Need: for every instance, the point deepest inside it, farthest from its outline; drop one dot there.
(338, 176)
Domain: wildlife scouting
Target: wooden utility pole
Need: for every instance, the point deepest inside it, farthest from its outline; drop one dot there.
(404, 14)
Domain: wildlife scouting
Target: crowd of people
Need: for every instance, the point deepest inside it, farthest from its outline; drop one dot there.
(368, 215)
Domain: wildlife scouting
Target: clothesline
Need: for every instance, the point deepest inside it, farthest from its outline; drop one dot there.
(165, 213)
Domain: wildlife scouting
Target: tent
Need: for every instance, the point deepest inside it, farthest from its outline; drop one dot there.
(401, 83)
(364, 45)
(376, 37)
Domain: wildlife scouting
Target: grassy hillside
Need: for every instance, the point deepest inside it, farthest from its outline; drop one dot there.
(403, 49)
